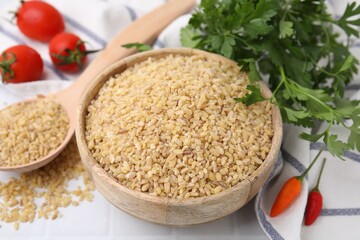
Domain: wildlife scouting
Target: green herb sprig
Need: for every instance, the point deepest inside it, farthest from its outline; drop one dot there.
(140, 47)
(297, 45)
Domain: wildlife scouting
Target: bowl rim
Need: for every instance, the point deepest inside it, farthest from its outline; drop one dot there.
(119, 66)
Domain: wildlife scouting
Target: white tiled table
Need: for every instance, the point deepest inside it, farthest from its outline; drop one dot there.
(99, 220)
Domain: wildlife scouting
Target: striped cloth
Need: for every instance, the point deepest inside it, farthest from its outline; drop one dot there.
(340, 218)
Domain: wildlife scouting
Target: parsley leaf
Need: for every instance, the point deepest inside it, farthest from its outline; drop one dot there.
(286, 29)
(295, 115)
(257, 26)
(140, 47)
(188, 37)
(311, 138)
(354, 136)
(252, 97)
(335, 146)
(346, 24)
(347, 64)
(227, 46)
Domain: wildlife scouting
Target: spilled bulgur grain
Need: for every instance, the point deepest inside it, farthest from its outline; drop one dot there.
(171, 128)
(41, 193)
(30, 131)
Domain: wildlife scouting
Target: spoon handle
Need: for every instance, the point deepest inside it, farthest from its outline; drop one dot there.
(143, 30)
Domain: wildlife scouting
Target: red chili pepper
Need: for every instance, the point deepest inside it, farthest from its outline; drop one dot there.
(314, 202)
(290, 191)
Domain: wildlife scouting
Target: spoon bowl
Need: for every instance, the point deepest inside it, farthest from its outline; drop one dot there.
(143, 30)
(52, 154)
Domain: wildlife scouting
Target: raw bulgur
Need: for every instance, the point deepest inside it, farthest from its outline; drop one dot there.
(41, 193)
(30, 131)
(171, 128)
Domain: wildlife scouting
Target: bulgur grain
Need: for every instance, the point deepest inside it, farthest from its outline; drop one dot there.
(41, 193)
(16, 226)
(30, 130)
(174, 128)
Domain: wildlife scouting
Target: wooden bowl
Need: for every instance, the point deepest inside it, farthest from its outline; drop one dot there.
(164, 210)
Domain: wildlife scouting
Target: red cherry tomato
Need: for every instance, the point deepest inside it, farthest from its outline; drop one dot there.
(20, 63)
(68, 52)
(39, 20)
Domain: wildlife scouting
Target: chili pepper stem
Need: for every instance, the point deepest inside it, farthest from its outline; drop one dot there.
(316, 188)
(302, 176)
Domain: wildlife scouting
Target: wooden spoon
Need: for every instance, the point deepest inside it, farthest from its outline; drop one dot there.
(143, 30)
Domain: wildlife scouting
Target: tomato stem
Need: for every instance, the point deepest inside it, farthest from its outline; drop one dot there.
(301, 177)
(74, 56)
(5, 66)
(13, 17)
(92, 51)
(14, 14)
(316, 188)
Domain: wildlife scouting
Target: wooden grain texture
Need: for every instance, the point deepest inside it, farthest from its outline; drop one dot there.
(164, 210)
(143, 30)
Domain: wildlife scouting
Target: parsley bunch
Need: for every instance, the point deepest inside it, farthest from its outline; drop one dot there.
(296, 44)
